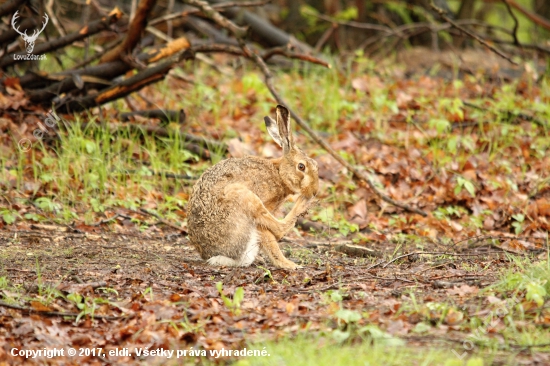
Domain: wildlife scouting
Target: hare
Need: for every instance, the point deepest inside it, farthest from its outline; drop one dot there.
(229, 212)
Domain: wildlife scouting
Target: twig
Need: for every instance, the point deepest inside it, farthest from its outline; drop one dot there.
(443, 15)
(162, 174)
(517, 115)
(215, 6)
(58, 313)
(160, 219)
(134, 34)
(438, 253)
(163, 115)
(456, 275)
(222, 21)
(105, 221)
(55, 21)
(516, 23)
(284, 51)
(97, 55)
(268, 76)
(351, 23)
(545, 23)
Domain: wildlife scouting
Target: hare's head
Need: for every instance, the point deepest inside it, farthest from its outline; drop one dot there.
(298, 171)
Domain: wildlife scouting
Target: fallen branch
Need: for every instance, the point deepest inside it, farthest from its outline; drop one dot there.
(11, 6)
(165, 222)
(353, 250)
(58, 313)
(220, 6)
(438, 253)
(135, 30)
(165, 116)
(285, 51)
(67, 80)
(262, 28)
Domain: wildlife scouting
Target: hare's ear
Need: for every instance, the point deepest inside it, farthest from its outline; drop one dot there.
(273, 130)
(283, 122)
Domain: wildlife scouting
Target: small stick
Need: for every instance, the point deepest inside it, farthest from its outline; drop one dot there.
(221, 6)
(516, 23)
(160, 219)
(439, 253)
(58, 313)
(105, 221)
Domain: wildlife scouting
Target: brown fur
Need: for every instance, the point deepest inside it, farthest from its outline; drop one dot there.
(231, 203)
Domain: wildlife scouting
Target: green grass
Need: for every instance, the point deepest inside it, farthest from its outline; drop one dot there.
(305, 351)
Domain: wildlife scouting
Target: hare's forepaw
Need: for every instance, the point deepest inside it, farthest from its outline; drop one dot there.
(308, 205)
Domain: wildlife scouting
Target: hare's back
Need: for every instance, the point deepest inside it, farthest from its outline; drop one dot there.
(257, 174)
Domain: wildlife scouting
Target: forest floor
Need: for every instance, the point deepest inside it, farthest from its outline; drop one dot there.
(94, 254)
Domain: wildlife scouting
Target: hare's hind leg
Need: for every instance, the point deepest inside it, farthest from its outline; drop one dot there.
(270, 247)
(251, 204)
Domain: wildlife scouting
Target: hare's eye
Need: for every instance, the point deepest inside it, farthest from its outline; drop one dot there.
(301, 167)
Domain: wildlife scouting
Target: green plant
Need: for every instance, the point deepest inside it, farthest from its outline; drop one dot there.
(466, 184)
(86, 305)
(233, 304)
(518, 223)
(8, 216)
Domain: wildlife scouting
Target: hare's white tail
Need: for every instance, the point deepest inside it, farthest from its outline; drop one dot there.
(249, 254)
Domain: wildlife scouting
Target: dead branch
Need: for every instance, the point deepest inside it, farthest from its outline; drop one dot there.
(58, 313)
(135, 31)
(11, 6)
(220, 6)
(264, 29)
(516, 23)
(350, 23)
(97, 55)
(222, 21)
(106, 71)
(356, 250)
(284, 51)
(165, 222)
(165, 116)
(127, 86)
(537, 19)
(473, 35)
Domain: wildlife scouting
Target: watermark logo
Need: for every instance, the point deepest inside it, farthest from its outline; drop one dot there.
(29, 40)
(51, 121)
(489, 323)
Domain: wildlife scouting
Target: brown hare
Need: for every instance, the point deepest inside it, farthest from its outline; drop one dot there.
(229, 212)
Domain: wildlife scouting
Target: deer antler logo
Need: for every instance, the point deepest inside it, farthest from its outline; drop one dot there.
(29, 40)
